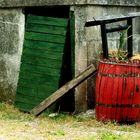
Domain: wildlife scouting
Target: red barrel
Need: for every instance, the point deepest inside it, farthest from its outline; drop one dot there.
(118, 92)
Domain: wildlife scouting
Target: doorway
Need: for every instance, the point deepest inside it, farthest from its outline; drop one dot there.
(37, 80)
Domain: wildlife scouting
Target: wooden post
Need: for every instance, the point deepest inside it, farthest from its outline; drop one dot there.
(130, 38)
(63, 90)
(104, 40)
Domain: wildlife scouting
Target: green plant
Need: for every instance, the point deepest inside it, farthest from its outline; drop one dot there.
(121, 52)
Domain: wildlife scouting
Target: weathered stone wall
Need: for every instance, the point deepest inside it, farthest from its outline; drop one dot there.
(80, 57)
(11, 40)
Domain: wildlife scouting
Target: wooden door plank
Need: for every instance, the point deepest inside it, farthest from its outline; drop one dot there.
(27, 59)
(49, 29)
(60, 22)
(27, 68)
(43, 54)
(46, 46)
(45, 37)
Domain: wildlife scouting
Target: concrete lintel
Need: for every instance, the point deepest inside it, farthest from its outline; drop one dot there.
(24, 3)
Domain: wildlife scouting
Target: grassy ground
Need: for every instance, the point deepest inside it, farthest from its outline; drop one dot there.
(15, 125)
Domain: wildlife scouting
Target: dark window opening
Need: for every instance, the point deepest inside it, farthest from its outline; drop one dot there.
(52, 11)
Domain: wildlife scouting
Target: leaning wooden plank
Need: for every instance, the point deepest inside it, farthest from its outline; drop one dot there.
(63, 90)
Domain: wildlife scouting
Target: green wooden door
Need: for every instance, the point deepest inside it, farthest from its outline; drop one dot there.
(41, 62)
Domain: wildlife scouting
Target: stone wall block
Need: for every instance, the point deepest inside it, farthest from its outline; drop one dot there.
(11, 43)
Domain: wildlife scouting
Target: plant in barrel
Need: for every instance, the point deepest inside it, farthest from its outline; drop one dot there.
(120, 54)
(118, 80)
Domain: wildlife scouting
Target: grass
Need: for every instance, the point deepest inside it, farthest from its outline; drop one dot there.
(9, 112)
(15, 125)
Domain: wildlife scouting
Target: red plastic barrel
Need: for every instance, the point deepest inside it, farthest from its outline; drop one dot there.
(118, 92)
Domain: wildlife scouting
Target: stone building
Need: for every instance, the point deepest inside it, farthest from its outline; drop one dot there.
(87, 40)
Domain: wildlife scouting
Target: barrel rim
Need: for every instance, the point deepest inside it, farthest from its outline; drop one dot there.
(130, 64)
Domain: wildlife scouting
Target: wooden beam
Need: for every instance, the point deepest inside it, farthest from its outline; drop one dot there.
(63, 90)
(116, 29)
(130, 38)
(110, 19)
(104, 40)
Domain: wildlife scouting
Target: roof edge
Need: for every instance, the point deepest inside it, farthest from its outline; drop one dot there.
(26, 3)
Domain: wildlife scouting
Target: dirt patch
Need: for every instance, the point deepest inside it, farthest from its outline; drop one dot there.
(15, 125)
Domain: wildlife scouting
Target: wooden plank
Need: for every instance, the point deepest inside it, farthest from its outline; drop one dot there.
(23, 86)
(28, 102)
(41, 62)
(41, 77)
(29, 83)
(45, 37)
(61, 22)
(27, 107)
(108, 19)
(26, 91)
(104, 40)
(63, 90)
(49, 29)
(36, 92)
(29, 75)
(46, 46)
(24, 107)
(130, 38)
(48, 56)
(27, 68)
(117, 29)
(32, 87)
(43, 54)
(27, 99)
(31, 100)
